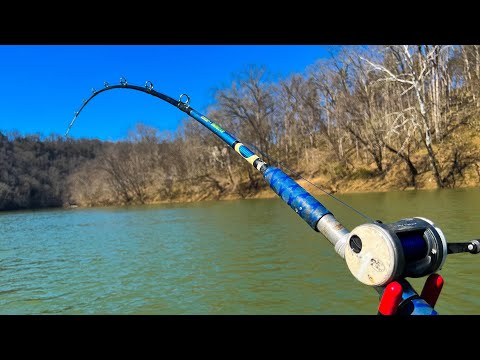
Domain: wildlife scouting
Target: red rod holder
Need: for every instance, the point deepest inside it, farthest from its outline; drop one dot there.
(392, 295)
(432, 288)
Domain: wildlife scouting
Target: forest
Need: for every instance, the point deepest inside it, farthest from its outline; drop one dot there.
(369, 118)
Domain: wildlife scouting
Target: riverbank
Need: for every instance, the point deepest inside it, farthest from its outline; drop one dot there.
(374, 184)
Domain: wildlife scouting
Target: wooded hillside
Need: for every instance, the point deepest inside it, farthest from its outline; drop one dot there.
(387, 117)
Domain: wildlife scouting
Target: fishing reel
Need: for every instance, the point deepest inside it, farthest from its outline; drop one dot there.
(377, 254)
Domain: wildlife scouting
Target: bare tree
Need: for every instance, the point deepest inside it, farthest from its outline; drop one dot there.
(412, 70)
(250, 104)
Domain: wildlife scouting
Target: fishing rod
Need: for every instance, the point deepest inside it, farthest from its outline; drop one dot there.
(377, 254)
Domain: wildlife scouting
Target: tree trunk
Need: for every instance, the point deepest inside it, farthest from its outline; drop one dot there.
(413, 172)
(427, 139)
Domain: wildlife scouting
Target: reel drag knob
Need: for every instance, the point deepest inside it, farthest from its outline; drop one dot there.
(378, 254)
(373, 255)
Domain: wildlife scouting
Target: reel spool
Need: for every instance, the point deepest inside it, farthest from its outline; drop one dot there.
(378, 254)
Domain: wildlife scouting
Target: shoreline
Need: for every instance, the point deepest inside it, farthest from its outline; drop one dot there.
(268, 193)
(342, 187)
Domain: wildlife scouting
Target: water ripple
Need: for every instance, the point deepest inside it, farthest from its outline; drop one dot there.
(231, 257)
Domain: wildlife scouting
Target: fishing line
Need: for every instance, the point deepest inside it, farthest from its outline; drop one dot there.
(311, 183)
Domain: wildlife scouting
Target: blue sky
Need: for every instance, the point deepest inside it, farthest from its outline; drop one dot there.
(43, 85)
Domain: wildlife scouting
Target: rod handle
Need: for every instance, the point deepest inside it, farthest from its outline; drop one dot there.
(300, 200)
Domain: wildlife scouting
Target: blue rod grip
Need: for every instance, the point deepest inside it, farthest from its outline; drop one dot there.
(301, 201)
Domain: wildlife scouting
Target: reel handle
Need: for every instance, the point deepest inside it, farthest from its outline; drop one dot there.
(472, 247)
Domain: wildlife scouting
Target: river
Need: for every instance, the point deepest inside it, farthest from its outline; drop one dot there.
(216, 257)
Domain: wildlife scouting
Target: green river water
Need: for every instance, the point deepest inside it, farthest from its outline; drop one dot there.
(216, 257)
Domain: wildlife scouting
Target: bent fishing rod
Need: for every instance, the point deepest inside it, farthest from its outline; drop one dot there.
(378, 255)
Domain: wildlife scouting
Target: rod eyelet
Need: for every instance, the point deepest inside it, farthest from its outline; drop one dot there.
(186, 101)
(149, 85)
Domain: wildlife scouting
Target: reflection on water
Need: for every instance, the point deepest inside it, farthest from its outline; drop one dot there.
(227, 257)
